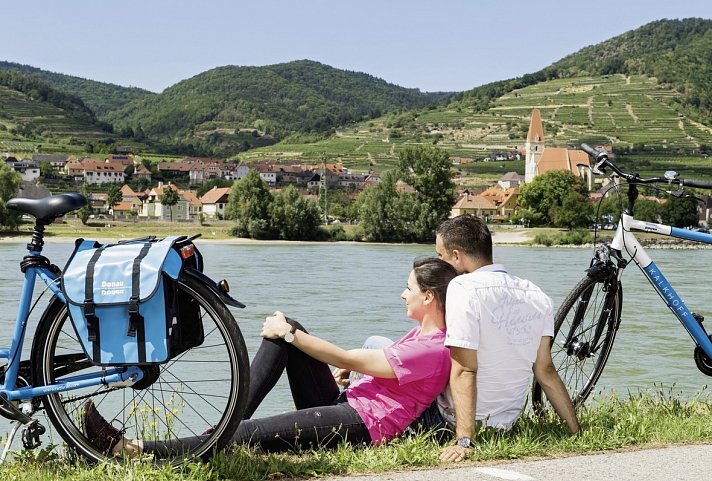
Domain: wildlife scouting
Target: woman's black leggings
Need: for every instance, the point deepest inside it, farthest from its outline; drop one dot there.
(323, 417)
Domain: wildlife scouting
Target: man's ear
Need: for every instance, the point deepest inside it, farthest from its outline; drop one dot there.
(456, 255)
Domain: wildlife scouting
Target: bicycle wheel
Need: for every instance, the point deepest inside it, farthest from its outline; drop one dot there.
(201, 392)
(585, 327)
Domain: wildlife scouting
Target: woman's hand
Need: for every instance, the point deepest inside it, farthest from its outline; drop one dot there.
(275, 326)
(341, 376)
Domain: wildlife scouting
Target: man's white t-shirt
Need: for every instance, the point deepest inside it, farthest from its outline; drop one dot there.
(503, 318)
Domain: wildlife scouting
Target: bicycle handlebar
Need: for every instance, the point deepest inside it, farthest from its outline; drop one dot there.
(602, 161)
(700, 184)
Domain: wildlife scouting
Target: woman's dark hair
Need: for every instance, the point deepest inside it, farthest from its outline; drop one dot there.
(469, 235)
(433, 274)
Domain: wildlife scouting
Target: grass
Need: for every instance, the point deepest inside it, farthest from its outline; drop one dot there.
(648, 419)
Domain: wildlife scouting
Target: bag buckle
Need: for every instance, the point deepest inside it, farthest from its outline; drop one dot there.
(92, 320)
(134, 316)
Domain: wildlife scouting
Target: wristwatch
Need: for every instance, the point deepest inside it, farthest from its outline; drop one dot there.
(464, 442)
(289, 336)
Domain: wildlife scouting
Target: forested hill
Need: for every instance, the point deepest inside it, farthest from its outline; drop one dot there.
(676, 52)
(39, 91)
(100, 97)
(300, 96)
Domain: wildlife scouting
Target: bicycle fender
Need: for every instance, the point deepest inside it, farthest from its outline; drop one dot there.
(226, 298)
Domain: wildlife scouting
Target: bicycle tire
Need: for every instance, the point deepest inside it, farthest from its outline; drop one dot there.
(580, 362)
(202, 391)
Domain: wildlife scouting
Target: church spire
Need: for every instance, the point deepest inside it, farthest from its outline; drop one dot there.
(536, 131)
(534, 147)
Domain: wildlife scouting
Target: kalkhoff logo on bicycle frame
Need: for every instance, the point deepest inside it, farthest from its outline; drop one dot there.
(673, 300)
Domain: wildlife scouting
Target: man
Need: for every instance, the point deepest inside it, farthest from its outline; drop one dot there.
(499, 330)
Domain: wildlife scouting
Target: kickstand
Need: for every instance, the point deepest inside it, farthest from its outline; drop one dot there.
(10, 438)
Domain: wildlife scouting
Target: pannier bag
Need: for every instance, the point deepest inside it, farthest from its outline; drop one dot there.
(123, 304)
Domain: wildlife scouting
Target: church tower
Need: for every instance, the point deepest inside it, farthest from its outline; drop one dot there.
(534, 146)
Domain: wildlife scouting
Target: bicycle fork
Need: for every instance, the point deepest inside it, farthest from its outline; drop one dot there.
(606, 267)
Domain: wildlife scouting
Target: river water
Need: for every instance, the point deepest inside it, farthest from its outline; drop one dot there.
(344, 292)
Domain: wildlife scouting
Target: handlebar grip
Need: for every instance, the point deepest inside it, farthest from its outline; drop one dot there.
(700, 184)
(591, 151)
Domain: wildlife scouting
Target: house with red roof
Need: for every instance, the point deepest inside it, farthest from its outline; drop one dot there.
(215, 201)
(187, 208)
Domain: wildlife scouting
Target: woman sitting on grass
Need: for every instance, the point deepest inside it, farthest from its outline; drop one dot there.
(400, 381)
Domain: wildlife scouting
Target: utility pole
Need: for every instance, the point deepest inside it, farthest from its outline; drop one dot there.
(323, 186)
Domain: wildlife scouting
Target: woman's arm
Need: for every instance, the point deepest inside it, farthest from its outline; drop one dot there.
(368, 361)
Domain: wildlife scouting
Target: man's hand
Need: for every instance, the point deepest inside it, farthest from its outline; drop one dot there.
(455, 454)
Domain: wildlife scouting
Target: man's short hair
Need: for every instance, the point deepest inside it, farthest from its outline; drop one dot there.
(468, 234)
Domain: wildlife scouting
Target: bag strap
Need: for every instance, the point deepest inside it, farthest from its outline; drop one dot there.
(89, 306)
(136, 324)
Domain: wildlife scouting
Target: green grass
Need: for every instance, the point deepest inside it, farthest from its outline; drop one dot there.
(638, 421)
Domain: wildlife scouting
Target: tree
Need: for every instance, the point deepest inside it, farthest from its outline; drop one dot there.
(574, 211)
(387, 216)
(647, 210)
(86, 211)
(9, 185)
(169, 198)
(547, 190)
(293, 216)
(428, 170)
(248, 204)
(46, 169)
(679, 212)
(113, 196)
(374, 205)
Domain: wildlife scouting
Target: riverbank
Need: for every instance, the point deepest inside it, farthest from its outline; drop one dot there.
(218, 231)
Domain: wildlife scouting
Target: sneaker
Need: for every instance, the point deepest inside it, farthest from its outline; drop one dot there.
(99, 431)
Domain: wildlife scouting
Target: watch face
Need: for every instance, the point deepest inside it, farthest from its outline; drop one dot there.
(464, 442)
(289, 337)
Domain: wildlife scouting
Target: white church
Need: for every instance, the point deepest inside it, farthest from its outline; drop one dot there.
(540, 159)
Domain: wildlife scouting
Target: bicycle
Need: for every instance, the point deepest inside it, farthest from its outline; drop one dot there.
(201, 392)
(586, 323)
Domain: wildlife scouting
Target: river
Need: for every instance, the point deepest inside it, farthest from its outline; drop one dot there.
(344, 292)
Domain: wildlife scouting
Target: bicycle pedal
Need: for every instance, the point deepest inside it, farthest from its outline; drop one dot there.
(31, 435)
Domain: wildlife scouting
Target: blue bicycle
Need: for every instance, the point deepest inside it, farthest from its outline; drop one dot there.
(587, 321)
(199, 392)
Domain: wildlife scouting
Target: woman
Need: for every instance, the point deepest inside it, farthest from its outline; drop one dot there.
(400, 381)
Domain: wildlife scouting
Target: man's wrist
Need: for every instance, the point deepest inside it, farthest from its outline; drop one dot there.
(464, 442)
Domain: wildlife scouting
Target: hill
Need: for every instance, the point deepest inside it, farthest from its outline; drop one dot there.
(676, 52)
(232, 108)
(640, 92)
(32, 112)
(100, 97)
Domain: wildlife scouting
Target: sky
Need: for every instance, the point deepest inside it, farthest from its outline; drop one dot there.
(435, 45)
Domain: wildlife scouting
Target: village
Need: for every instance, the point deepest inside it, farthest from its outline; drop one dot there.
(496, 203)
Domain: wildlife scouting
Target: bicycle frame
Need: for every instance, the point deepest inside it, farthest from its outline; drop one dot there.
(10, 390)
(625, 241)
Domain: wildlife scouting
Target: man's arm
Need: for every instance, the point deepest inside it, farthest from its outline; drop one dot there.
(553, 387)
(463, 385)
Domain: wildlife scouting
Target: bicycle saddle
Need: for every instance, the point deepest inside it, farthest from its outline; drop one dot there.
(48, 208)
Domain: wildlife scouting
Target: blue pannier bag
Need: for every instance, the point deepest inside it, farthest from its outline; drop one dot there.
(123, 304)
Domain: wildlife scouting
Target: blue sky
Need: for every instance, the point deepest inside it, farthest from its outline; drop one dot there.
(431, 45)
